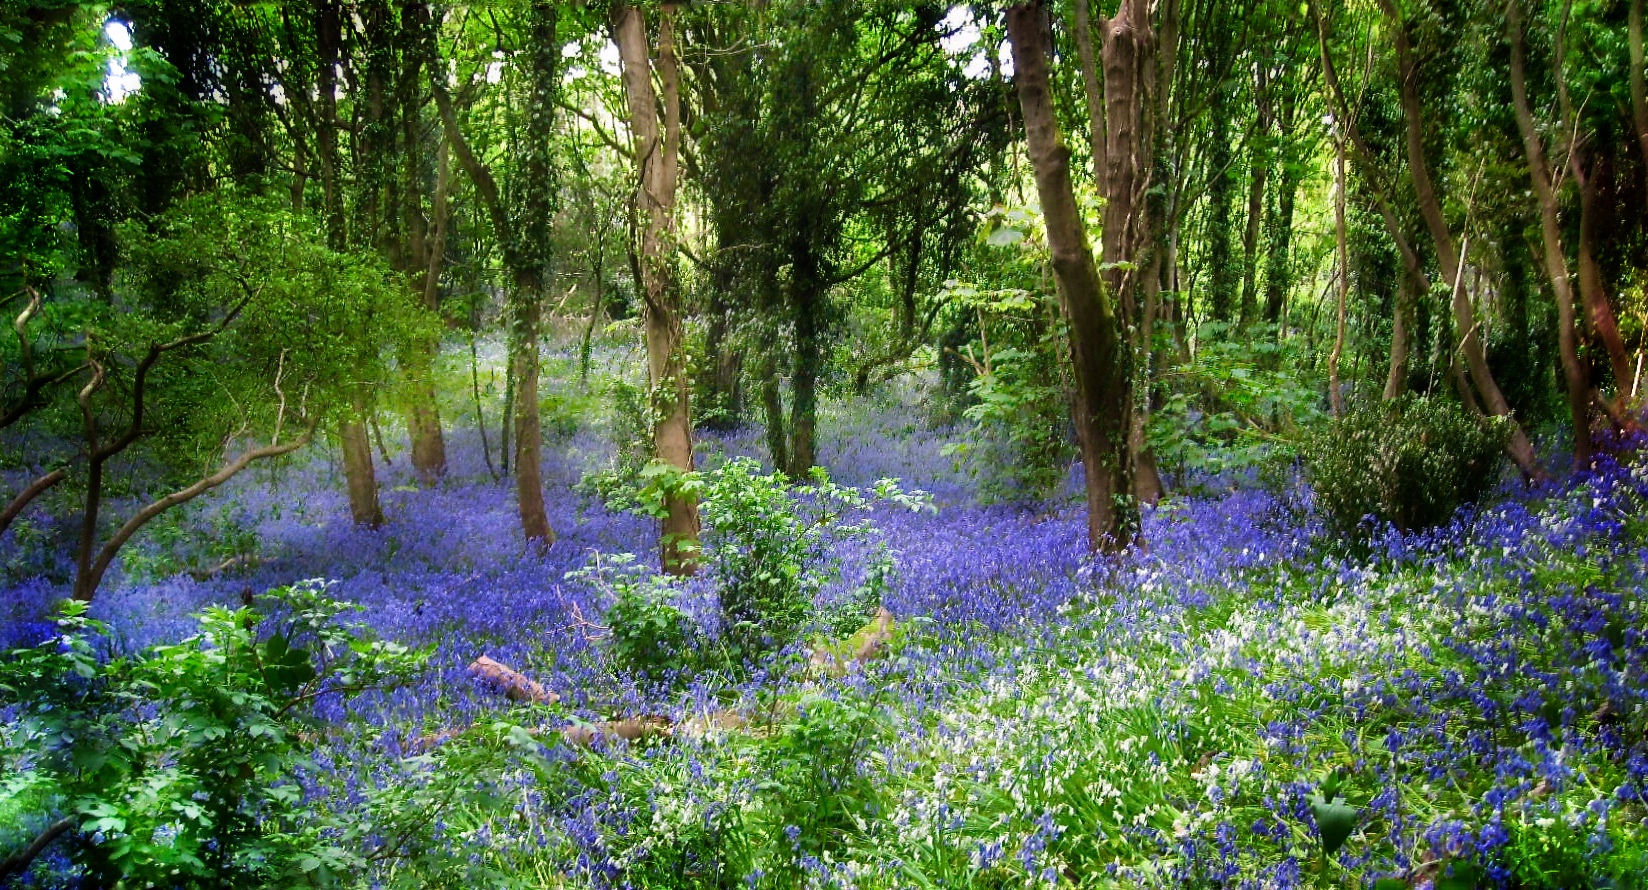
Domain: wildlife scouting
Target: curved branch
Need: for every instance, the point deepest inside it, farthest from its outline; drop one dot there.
(86, 586)
(18, 862)
(35, 489)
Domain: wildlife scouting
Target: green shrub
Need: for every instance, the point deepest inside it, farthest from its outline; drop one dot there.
(179, 767)
(1411, 462)
(766, 544)
(651, 637)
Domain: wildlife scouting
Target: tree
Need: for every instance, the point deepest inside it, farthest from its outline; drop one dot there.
(520, 223)
(1104, 398)
(234, 304)
(657, 146)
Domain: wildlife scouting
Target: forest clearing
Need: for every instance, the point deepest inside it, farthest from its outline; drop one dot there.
(845, 444)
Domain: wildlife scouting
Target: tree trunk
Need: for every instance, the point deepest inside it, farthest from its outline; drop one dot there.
(359, 476)
(772, 409)
(1396, 381)
(526, 310)
(809, 364)
(1279, 264)
(425, 250)
(1415, 283)
(1336, 400)
(526, 248)
(1259, 173)
(1556, 259)
(1222, 274)
(1520, 448)
(1600, 313)
(1639, 91)
(1104, 398)
(657, 161)
(328, 46)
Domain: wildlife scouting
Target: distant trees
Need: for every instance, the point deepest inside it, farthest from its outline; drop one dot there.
(1264, 212)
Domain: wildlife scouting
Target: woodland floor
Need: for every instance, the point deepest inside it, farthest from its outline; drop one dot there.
(1038, 719)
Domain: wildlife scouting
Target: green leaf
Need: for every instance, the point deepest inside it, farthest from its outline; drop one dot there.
(1459, 876)
(1334, 820)
(1004, 237)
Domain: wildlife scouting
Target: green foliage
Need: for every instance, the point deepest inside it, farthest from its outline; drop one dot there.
(1234, 407)
(319, 320)
(818, 792)
(767, 545)
(179, 766)
(1016, 392)
(651, 637)
(1411, 462)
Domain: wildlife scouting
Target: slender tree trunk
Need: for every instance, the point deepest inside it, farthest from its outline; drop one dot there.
(1279, 264)
(526, 312)
(1222, 281)
(809, 364)
(1336, 400)
(1520, 448)
(1396, 381)
(1104, 400)
(526, 248)
(328, 37)
(1556, 259)
(1415, 282)
(1259, 173)
(1092, 88)
(657, 161)
(772, 408)
(1639, 91)
(426, 247)
(480, 415)
(1600, 313)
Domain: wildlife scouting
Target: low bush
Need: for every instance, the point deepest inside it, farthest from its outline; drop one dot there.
(1411, 462)
(180, 766)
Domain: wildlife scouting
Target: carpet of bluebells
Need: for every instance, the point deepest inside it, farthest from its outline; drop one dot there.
(1040, 719)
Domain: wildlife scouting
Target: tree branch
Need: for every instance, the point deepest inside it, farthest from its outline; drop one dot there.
(18, 862)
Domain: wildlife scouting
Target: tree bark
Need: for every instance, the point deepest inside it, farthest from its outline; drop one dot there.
(809, 363)
(328, 47)
(1639, 91)
(1430, 209)
(1279, 265)
(1259, 164)
(1104, 397)
(1336, 400)
(360, 477)
(657, 160)
(425, 247)
(1599, 311)
(25, 497)
(526, 311)
(1574, 377)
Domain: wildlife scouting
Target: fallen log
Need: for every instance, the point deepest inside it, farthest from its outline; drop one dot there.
(630, 729)
(232, 564)
(715, 724)
(512, 683)
(833, 659)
